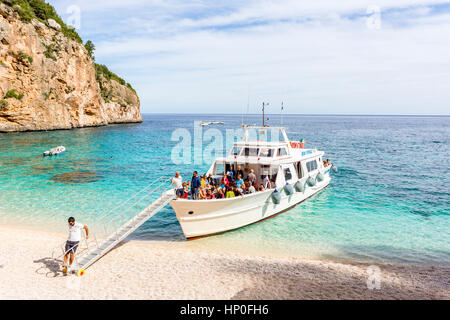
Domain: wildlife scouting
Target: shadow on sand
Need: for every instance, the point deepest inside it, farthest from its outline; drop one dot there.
(51, 267)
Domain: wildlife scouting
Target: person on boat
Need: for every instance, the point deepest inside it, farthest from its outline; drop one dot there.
(231, 173)
(230, 193)
(252, 177)
(73, 241)
(225, 181)
(203, 181)
(266, 183)
(202, 194)
(177, 182)
(211, 180)
(219, 194)
(261, 188)
(251, 188)
(239, 181)
(195, 185)
(237, 192)
(240, 172)
(185, 191)
(209, 194)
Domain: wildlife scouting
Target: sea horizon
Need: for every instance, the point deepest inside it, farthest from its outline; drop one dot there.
(305, 114)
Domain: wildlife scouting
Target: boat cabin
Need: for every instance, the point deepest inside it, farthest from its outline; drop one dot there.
(269, 152)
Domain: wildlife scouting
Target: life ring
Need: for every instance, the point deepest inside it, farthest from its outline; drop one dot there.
(297, 145)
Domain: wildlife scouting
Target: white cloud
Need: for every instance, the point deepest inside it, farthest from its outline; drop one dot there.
(318, 57)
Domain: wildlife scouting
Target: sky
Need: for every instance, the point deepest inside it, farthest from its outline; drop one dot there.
(317, 57)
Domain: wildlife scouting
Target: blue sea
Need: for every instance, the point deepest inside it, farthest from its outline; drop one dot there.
(389, 201)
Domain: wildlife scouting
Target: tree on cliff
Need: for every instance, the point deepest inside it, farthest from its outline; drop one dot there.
(90, 47)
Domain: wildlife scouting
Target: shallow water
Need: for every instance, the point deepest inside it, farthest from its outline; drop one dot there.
(389, 201)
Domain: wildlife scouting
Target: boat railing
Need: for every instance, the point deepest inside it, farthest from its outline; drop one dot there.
(156, 188)
(112, 221)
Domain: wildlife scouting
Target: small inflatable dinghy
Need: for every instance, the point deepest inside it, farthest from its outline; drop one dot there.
(54, 151)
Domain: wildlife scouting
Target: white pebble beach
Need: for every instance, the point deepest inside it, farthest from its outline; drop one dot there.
(174, 270)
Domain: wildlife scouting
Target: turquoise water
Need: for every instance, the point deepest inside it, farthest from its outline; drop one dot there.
(389, 201)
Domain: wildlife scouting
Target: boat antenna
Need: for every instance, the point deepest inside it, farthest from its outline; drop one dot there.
(263, 115)
(242, 122)
(281, 113)
(248, 104)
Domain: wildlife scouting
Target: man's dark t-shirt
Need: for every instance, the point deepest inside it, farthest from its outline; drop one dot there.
(195, 183)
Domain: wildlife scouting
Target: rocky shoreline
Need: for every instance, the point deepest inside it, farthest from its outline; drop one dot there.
(50, 82)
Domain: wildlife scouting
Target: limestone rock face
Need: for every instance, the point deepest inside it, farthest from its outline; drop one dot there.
(48, 81)
(53, 24)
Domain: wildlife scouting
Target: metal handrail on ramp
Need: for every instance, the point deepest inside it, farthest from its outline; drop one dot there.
(121, 221)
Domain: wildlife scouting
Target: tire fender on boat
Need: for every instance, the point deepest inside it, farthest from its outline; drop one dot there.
(311, 182)
(276, 197)
(299, 186)
(288, 189)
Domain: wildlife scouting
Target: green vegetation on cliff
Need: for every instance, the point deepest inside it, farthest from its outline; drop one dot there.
(3, 105)
(42, 11)
(13, 94)
(103, 70)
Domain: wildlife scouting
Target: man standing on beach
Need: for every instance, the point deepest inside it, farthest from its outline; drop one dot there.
(73, 241)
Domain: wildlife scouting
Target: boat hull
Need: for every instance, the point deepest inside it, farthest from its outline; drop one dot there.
(207, 217)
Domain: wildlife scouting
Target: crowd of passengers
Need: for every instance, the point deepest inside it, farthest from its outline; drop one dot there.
(208, 187)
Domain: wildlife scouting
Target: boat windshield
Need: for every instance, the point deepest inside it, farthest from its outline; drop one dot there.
(251, 152)
(265, 152)
(236, 151)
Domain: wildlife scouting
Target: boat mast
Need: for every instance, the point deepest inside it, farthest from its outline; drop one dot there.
(263, 115)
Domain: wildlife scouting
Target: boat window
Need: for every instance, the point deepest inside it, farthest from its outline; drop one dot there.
(282, 152)
(219, 169)
(287, 174)
(266, 152)
(251, 152)
(236, 151)
(265, 171)
(299, 170)
(311, 165)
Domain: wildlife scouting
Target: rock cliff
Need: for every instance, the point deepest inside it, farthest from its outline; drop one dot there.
(49, 81)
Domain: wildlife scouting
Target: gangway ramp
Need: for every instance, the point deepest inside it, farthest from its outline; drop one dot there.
(120, 222)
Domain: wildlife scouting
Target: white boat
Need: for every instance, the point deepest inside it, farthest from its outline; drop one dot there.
(55, 151)
(205, 124)
(296, 173)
